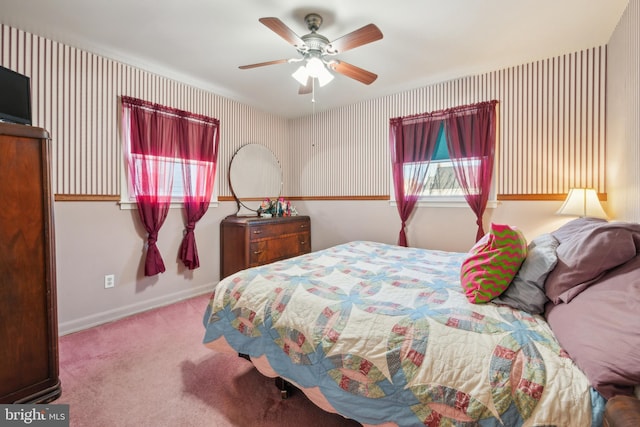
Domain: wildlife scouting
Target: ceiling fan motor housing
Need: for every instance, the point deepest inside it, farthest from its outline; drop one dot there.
(314, 21)
(315, 42)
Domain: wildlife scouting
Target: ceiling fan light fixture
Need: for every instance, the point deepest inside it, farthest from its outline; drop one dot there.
(318, 70)
(312, 70)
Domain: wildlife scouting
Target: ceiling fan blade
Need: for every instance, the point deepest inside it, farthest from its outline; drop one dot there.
(367, 34)
(278, 27)
(262, 64)
(356, 73)
(307, 88)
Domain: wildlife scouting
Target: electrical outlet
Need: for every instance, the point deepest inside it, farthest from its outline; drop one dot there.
(109, 281)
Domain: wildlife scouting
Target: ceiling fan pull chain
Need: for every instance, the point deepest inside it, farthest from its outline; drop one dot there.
(313, 93)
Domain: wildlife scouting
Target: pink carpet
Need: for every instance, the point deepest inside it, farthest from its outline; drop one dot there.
(151, 369)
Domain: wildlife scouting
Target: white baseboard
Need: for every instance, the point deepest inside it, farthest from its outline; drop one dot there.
(87, 322)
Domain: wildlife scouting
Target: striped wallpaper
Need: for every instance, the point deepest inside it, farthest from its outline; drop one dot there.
(623, 117)
(75, 96)
(551, 130)
(551, 123)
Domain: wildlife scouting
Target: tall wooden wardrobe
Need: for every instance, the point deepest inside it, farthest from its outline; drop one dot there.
(28, 316)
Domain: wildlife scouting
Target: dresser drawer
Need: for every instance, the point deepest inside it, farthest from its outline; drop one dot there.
(268, 230)
(252, 241)
(270, 250)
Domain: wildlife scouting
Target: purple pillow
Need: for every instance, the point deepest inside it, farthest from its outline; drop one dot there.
(588, 248)
(600, 330)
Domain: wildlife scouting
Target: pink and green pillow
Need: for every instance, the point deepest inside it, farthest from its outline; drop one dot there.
(492, 263)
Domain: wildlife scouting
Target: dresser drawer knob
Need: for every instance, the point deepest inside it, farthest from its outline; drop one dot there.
(257, 252)
(257, 231)
(302, 242)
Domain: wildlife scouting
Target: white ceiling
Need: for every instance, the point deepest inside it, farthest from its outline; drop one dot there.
(202, 42)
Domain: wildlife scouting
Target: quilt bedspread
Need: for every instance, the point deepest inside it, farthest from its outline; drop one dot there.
(386, 334)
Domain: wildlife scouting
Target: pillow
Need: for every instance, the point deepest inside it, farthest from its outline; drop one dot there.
(526, 291)
(599, 330)
(588, 248)
(492, 263)
(572, 227)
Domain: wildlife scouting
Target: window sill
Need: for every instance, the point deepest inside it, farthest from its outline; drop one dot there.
(444, 203)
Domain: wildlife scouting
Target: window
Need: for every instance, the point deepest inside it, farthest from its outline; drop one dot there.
(470, 134)
(169, 171)
(169, 152)
(440, 183)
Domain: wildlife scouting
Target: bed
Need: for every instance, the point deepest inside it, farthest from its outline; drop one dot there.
(388, 336)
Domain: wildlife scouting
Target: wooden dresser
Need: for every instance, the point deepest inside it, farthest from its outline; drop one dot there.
(28, 316)
(251, 241)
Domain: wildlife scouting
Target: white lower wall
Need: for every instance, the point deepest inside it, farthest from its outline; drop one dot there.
(97, 238)
(450, 229)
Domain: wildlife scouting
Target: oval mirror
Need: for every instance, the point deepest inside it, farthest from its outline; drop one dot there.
(254, 175)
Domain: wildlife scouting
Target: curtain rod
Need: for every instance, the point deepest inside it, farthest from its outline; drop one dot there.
(170, 111)
(442, 114)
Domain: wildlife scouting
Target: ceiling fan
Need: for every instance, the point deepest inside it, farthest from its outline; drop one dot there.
(317, 53)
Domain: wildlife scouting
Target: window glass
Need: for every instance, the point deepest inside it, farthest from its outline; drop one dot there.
(440, 179)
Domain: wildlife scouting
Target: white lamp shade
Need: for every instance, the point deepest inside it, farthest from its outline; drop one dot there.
(324, 77)
(582, 202)
(315, 66)
(301, 75)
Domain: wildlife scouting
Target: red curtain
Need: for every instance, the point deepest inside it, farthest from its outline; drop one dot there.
(470, 134)
(159, 138)
(471, 140)
(412, 141)
(199, 153)
(153, 136)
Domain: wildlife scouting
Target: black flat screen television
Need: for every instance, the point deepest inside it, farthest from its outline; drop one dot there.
(15, 97)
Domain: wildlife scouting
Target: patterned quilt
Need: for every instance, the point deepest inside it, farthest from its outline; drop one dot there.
(386, 335)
